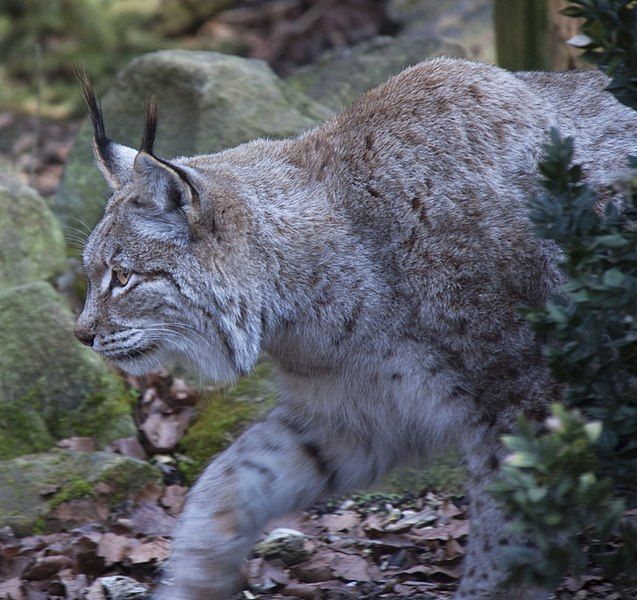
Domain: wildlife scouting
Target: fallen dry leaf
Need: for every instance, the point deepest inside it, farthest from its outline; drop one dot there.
(318, 568)
(158, 550)
(163, 429)
(454, 530)
(128, 446)
(305, 591)
(46, 566)
(346, 521)
(453, 549)
(373, 525)
(150, 519)
(454, 572)
(113, 548)
(11, 589)
(350, 567)
(417, 571)
(173, 499)
(449, 509)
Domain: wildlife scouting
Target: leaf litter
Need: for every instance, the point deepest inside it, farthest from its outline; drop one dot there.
(365, 546)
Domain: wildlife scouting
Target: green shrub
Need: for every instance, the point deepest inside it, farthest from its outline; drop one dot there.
(609, 40)
(566, 489)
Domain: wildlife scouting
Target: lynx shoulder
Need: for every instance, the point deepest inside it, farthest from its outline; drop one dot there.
(381, 259)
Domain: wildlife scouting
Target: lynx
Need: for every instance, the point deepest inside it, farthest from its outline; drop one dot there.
(381, 260)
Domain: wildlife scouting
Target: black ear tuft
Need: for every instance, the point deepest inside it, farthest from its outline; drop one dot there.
(94, 110)
(150, 127)
(114, 160)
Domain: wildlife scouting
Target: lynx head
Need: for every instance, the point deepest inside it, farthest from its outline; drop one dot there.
(171, 273)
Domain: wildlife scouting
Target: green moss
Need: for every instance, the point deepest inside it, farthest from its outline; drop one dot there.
(22, 426)
(446, 475)
(77, 488)
(38, 527)
(223, 415)
(104, 415)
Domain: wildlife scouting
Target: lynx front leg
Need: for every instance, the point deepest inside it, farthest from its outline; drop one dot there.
(277, 466)
(483, 570)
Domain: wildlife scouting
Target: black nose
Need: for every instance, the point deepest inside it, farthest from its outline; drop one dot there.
(84, 335)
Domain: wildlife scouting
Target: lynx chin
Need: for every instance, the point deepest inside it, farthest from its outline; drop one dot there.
(381, 260)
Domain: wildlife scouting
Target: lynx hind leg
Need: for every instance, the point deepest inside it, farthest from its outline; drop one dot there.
(275, 467)
(483, 570)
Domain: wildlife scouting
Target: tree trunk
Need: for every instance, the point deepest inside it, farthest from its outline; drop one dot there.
(562, 29)
(532, 35)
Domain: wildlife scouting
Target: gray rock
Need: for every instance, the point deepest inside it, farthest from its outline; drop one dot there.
(33, 486)
(342, 75)
(119, 587)
(52, 386)
(287, 545)
(31, 240)
(207, 102)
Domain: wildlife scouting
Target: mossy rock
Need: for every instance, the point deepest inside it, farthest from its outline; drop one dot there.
(26, 484)
(31, 239)
(225, 414)
(207, 102)
(52, 386)
(340, 76)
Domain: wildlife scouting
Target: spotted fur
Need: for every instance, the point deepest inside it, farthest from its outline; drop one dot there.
(381, 260)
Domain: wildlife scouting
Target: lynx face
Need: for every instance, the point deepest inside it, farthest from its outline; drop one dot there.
(134, 313)
(160, 283)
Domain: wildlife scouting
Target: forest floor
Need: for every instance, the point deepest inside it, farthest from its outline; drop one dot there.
(373, 545)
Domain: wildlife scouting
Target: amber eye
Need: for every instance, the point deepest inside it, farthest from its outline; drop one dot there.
(121, 277)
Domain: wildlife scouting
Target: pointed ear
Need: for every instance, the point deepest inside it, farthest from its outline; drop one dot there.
(114, 160)
(169, 188)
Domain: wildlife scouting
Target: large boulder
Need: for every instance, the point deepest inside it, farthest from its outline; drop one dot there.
(468, 23)
(207, 102)
(31, 240)
(342, 75)
(52, 386)
(33, 486)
